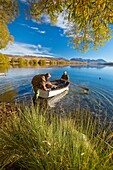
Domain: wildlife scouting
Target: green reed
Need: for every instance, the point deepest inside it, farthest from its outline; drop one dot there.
(36, 140)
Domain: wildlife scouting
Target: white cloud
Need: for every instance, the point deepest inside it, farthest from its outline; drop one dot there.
(27, 49)
(44, 19)
(65, 25)
(39, 46)
(33, 28)
(41, 32)
(61, 22)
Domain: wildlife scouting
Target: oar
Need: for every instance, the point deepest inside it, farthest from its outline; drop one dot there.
(82, 87)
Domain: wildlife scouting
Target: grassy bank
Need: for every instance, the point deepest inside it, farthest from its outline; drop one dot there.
(41, 141)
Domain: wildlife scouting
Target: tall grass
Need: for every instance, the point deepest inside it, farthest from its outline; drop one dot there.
(36, 141)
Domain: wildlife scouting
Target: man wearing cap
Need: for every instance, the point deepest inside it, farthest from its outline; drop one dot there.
(39, 82)
(65, 76)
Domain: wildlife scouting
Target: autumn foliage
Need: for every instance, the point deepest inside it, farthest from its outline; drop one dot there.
(87, 22)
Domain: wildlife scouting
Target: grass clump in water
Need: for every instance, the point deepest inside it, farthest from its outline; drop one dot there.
(35, 141)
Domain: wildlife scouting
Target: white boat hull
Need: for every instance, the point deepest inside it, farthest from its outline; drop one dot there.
(55, 99)
(51, 93)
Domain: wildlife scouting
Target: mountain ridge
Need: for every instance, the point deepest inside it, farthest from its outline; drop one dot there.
(88, 60)
(81, 60)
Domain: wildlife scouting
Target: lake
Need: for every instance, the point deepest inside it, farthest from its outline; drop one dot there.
(16, 86)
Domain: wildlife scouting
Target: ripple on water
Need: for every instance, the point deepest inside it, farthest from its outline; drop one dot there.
(99, 99)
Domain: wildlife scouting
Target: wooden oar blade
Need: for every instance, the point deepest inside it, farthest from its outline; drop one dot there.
(85, 88)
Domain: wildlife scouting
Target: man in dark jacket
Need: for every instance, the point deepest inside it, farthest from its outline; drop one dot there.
(65, 76)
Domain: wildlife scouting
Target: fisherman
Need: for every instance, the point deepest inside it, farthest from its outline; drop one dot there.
(65, 76)
(39, 82)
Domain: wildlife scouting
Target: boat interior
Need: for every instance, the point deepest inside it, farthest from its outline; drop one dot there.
(58, 84)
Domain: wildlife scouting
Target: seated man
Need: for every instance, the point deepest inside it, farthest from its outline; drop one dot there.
(64, 80)
(39, 82)
(65, 76)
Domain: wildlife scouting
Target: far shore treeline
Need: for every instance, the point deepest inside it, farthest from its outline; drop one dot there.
(30, 61)
(34, 61)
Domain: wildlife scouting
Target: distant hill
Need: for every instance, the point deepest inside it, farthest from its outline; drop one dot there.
(53, 59)
(62, 59)
(36, 58)
(88, 60)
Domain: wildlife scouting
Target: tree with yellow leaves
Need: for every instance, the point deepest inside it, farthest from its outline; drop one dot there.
(8, 12)
(88, 20)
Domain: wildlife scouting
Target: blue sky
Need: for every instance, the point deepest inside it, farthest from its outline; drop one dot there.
(31, 38)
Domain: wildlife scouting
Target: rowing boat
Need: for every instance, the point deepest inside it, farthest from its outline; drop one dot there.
(57, 88)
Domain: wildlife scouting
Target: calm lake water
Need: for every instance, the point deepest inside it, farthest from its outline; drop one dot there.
(16, 86)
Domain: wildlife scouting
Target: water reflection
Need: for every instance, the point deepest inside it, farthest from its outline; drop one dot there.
(89, 66)
(98, 100)
(8, 96)
(4, 68)
(54, 100)
(50, 102)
